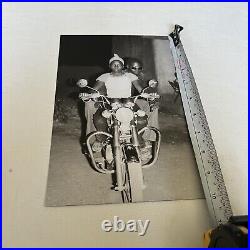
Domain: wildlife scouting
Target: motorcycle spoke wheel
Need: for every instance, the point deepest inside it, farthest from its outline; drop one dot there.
(126, 194)
(133, 181)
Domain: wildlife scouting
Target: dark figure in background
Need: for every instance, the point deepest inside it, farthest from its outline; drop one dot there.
(135, 66)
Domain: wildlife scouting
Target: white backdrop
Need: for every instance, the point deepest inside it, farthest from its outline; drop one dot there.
(215, 40)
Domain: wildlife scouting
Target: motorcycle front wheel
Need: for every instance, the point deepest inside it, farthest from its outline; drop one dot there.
(133, 183)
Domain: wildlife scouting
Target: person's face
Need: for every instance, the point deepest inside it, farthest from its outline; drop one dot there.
(116, 66)
(136, 68)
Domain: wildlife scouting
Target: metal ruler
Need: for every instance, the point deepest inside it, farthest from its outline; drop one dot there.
(206, 157)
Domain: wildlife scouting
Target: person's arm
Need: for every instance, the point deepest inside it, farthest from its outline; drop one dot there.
(98, 85)
(138, 84)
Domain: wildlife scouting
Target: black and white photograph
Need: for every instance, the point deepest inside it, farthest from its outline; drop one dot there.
(119, 129)
(124, 124)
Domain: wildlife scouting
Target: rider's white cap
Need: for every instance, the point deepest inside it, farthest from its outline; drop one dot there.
(116, 58)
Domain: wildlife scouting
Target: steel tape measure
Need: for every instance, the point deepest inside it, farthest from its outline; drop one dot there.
(206, 157)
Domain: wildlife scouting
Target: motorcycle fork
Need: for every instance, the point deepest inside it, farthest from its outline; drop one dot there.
(118, 158)
(135, 140)
(118, 152)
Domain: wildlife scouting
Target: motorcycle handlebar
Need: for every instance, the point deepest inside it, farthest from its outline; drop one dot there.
(86, 97)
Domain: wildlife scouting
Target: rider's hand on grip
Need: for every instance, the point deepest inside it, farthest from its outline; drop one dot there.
(84, 96)
(145, 95)
(95, 95)
(87, 96)
(150, 95)
(153, 96)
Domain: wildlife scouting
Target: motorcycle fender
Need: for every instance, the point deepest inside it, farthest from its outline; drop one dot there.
(130, 153)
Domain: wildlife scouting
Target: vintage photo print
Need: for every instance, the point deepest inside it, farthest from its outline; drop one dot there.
(119, 129)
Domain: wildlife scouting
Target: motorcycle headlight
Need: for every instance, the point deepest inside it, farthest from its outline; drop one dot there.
(124, 115)
(106, 114)
(140, 113)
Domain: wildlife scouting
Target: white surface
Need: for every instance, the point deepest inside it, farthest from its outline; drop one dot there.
(215, 40)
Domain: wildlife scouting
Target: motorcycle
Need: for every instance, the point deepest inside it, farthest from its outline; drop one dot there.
(122, 152)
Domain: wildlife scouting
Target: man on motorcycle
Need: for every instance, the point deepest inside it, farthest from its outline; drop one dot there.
(117, 84)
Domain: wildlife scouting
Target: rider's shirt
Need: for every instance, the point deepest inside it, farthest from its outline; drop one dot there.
(118, 86)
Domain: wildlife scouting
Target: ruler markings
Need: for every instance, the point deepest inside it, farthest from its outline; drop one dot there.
(206, 156)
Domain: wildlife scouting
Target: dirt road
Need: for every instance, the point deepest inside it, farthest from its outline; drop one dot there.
(71, 180)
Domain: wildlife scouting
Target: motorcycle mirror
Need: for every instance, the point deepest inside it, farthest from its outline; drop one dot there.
(82, 83)
(153, 83)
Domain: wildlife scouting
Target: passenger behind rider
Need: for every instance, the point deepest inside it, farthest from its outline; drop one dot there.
(135, 66)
